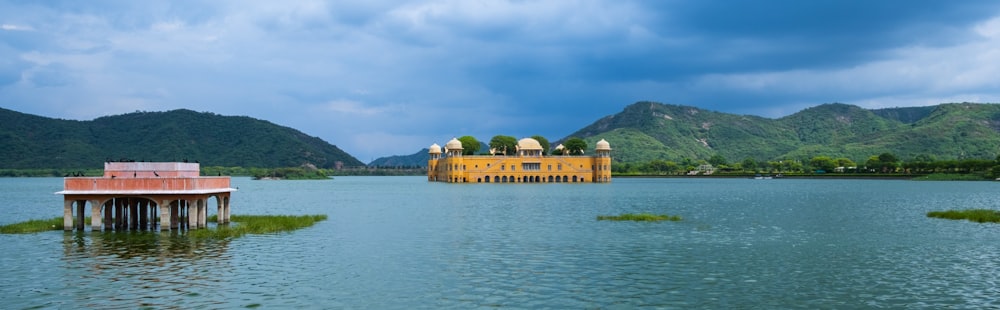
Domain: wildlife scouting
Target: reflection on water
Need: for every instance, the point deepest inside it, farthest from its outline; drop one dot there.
(143, 269)
(139, 244)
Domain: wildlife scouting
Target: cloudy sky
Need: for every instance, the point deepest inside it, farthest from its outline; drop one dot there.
(380, 78)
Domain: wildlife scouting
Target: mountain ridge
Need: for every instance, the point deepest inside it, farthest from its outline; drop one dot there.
(30, 141)
(645, 130)
(944, 131)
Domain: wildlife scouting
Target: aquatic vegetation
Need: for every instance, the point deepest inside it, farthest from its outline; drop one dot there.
(974, 215)
(640, 217)
(257, 224)
(241, 225)
(32, 226)
(952, 177)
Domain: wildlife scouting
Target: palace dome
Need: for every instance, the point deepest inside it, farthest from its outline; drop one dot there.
(528, 144)
(435, 149)
(603, 145)
(454, 144)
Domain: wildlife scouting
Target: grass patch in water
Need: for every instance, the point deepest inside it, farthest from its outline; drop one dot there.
(974, 215)
(952, 177)
(257, 224)
(32, 226)
(641, 217)
(242, 225)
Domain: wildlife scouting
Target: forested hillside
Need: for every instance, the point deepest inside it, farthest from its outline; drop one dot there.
(418, 159)
(32, 142)
(645, 131)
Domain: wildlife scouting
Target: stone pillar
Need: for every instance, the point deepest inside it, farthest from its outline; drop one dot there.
(153, 218)
(226, 208)
(95, 215)
(192, 218)
(109, 209)
(143, 208)
(221, 212)
(175, 209)
(203, 213)
(133, 206)
(119, 214)
(67, 214)
(80, 210)
(165, 215)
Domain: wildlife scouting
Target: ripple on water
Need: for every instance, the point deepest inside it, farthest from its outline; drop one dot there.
(403, 242)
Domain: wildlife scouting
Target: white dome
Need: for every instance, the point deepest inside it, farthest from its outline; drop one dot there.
(528, 144)
(560, 147)
(454, 144)
(603, 145)
(435, 149)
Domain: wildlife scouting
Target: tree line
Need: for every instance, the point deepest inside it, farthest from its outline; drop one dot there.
(507, 145)
(885, 163)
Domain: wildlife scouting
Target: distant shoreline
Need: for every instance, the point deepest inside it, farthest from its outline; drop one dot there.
(849, 176)
(329, 174)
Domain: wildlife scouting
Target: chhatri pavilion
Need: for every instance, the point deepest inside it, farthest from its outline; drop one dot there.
(527, 165)
(145, 196)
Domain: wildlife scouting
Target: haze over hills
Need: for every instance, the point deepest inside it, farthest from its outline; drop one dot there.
(645, 131)
(31, 142)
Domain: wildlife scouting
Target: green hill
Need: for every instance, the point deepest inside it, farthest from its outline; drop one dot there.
(418, 159)
(31, 142)
(647, 130)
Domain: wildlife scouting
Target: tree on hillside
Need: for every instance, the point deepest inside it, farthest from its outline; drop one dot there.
(544, 142)
(887, 158)
(575, 146)
(660, 166)
(885, 162)
(750, 164)
(469, 145)
(824, 163)
(501, 144)
(930, 158)
(789, 165)
(717, 160)
(845, 162)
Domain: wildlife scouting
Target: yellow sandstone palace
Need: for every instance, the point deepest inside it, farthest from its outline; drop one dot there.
(528, 165)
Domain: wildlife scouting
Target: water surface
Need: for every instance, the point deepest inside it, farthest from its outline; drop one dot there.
(400, 242)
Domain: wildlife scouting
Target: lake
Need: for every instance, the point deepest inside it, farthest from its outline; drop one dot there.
(401, 242)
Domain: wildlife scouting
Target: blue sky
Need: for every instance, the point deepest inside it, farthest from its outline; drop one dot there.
(380, 78)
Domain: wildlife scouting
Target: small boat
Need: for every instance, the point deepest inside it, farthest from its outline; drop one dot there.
(761, 177)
